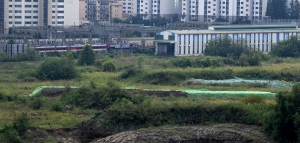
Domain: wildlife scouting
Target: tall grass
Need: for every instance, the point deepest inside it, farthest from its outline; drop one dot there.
(186, 111)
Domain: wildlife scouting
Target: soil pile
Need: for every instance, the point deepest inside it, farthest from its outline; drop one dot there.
(222, 133)
(152, 93)
(82, 134)
(51, 92)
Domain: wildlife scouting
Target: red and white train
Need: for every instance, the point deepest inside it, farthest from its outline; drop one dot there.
(100, 47)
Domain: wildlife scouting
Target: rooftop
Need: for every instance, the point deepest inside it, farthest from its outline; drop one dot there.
(241, 29)
(247, 27)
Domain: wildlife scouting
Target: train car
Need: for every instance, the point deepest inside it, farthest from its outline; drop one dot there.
(96, 47)
(100, 47)
(122, 46)
(51, 49)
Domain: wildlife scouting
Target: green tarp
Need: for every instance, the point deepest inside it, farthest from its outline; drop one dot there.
(38, 90)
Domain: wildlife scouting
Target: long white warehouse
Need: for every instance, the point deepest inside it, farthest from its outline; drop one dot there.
(192, 42)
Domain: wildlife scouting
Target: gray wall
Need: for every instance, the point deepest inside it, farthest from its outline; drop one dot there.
(1, 17)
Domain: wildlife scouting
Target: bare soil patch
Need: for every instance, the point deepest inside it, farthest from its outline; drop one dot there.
(82, 134)
(159, 93)
(221, 133)
(52, 92)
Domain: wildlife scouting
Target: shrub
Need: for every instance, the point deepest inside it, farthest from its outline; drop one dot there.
(283, 125)
(12, 132)
(182, 62)
(3, 96)
(207, 62)
(99, 98)
(56, 69)
(173, 76)
(251, 99)
(11, 135)
(109, 66)
(255, 60)
(29, 55)
(28, 73)
(131, 72)
(139, 61)
(36, 103)
(87, 56)
(21, 123)
(243, 60)
(56, 106)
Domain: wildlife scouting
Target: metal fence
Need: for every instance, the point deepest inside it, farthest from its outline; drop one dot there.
(13, 49)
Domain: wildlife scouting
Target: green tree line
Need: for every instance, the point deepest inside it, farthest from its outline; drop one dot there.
(278, 9)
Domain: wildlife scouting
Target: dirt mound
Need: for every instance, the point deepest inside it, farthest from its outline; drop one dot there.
(54, 91)
(159, 93)
(222, 133)
(82, 134)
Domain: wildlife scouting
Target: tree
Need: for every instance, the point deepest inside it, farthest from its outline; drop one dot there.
(277, 9)
(87, 56)
(224, 46)
(294, 9)
(11, 41)
(287, 48)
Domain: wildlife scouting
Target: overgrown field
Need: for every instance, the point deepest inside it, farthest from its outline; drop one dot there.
(131, 111)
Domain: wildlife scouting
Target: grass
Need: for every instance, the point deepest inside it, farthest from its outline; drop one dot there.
(10, 84)
(44, 118)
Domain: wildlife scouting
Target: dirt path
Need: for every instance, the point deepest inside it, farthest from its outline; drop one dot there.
(222, 133)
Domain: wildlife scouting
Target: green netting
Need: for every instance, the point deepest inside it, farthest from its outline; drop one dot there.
(227, 94)
(219, 94)
(38, 90)
(241, 81)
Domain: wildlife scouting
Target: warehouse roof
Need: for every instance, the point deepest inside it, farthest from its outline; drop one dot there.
(240, 29)
(247, 27)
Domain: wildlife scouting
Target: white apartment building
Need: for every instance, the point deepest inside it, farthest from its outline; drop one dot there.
(64, 12)
(40, 12)
(208, 10)
(145, 8)
(152, 8)
(21, 13)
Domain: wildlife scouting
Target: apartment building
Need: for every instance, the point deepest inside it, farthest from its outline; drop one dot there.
(153, 8)
(115, 10)
(104, 10)
(82, 11)
(208, 10)
(39, 12)
(2, 25)
(129, 7)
